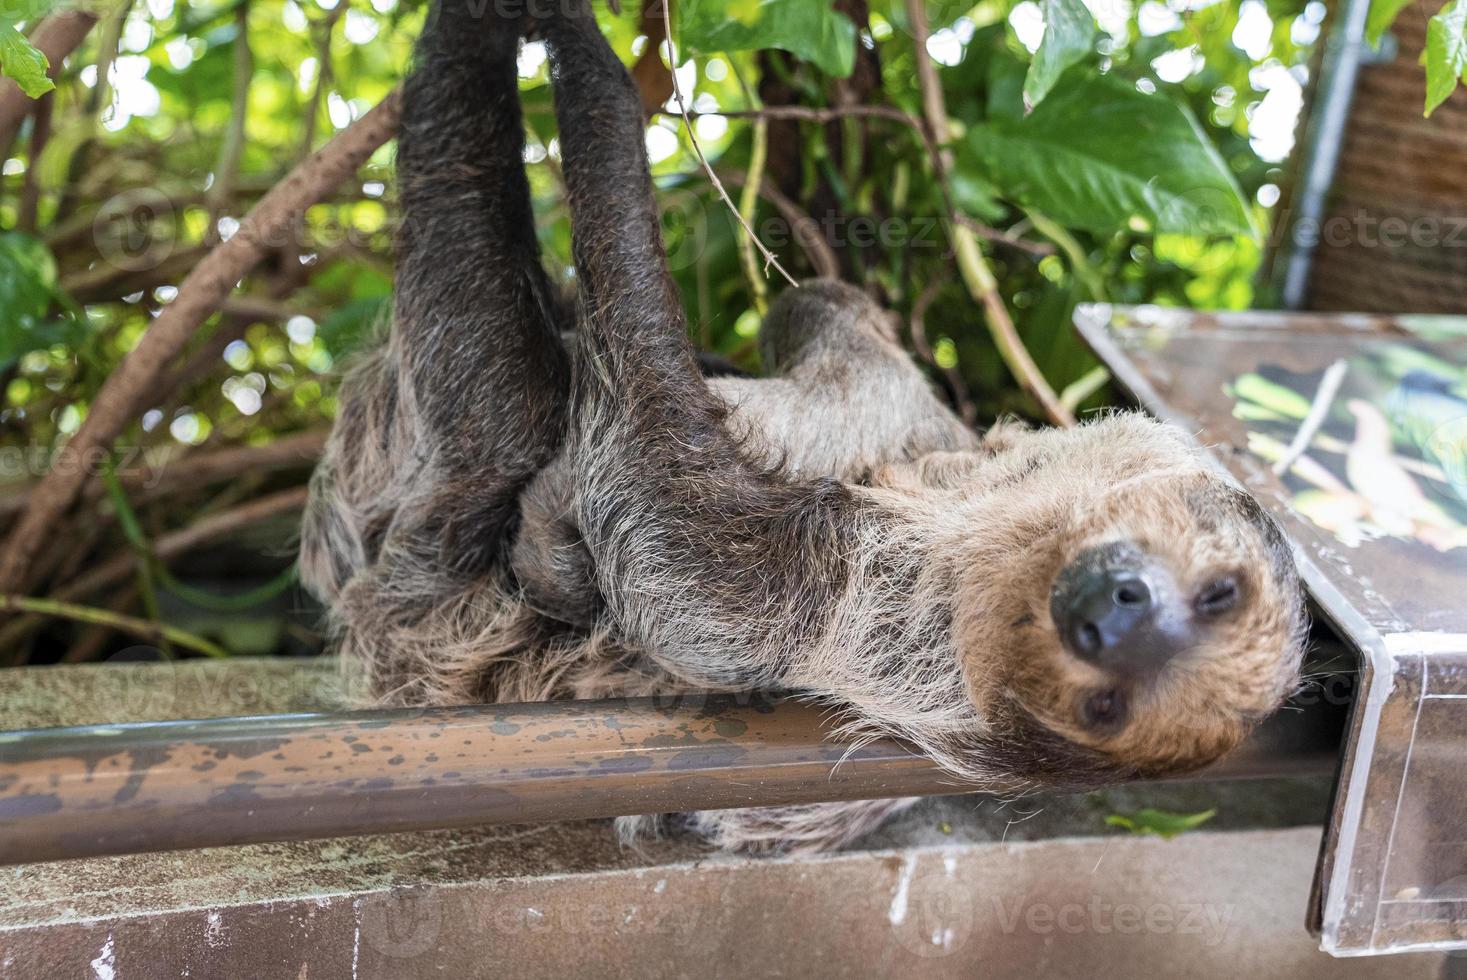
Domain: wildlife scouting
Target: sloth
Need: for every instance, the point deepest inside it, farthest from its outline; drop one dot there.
(525, 499)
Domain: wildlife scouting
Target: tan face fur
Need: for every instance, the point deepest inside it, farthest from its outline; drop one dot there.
(1041, 499)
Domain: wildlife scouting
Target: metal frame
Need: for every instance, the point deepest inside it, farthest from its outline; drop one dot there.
(1324, 130)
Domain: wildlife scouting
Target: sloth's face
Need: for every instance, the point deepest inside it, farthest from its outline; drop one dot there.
(1153, 610)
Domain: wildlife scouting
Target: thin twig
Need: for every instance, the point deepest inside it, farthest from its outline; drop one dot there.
(1000, 237)
(1329, 387)
(1079, 261)
(290, 250)
(917, 326)
(749, 200)
(135, 380)
(325, 75)
(974, 268)
(30, 191)
(132, 530)
(159, 633)
(89, 645)
(677, 94)
(830, 114)
(807, 229)
(231, 147)
(1084, 386)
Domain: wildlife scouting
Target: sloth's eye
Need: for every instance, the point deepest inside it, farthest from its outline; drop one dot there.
(1106, 709)
(1219, 596)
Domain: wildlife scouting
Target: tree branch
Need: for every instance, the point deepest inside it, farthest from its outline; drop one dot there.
(135, 380)
(201, 469)
(653, 79)
(117, 570)
(971, 264)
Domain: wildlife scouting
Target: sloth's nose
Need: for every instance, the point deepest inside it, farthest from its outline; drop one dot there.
(1113, 609)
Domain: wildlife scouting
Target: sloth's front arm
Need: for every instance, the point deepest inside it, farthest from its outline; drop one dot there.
(705, 560)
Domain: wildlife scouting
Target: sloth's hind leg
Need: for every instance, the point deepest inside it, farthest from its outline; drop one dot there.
(440, 430)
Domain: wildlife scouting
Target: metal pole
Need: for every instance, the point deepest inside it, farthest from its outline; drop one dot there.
(1323, 135)
(117, 789)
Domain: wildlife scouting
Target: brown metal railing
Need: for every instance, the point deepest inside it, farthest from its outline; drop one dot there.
(114, 789)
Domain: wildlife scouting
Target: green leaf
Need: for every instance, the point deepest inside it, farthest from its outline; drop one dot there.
(27, 296)
(1005, 85)
(976, 196)
(1446, 53)
(1162, 823)
(22, 61)
(352, 326)
(1383, 14)
(810, 29)
(1069, 34)
(1099, 155)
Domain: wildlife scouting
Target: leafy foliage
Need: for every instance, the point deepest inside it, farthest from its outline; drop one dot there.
(21, 61)
(1142, 162)
(815, 32)
(1069, 38)
(1446, 53)
(1160, 823)
(1445, 56)
(27, 297)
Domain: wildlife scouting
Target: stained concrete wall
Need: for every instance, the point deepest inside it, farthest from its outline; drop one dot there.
(1209, 905)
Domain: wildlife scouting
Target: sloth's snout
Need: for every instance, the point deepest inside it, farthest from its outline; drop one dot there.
(1116, 609)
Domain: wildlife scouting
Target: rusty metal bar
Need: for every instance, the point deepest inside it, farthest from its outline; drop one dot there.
(116, 789)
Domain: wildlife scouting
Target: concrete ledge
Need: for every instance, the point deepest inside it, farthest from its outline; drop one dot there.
(1211, 904)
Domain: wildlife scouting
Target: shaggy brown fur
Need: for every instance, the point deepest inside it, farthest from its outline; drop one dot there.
(499, 518)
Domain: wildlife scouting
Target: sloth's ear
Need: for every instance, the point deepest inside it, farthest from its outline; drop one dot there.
(1005, 434)
(948, 471)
